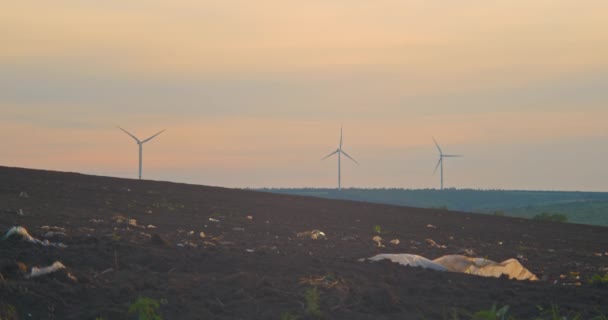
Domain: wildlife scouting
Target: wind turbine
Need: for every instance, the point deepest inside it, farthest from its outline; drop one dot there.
(440, 163)
(340, 152)
(141, 143)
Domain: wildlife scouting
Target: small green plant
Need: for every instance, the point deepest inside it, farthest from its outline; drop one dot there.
(288, 316)
(599, 280)
(313, 299)
(145, 308)
(8, 312)
(378, 229)
(556, 217)
(553, 313)
(492, 313)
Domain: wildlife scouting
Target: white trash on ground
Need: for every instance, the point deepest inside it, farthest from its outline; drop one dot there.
(22, 232)
(486, 268)
(36, 272)
(314, 235)
(411, 260)
(511, 268)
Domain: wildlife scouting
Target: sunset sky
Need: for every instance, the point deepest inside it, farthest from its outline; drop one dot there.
(253, 93)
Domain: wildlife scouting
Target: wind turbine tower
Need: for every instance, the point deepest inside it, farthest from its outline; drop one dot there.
(340, 152)
(141, 144)
(440, 162)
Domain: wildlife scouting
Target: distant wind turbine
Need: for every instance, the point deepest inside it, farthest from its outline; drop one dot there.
(340, 152)
(440, 163)
(141, 143)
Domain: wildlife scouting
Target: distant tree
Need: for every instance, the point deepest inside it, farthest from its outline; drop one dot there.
(545, 216)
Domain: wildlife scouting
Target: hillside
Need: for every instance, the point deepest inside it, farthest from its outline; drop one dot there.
(579, 207)
(127, 239)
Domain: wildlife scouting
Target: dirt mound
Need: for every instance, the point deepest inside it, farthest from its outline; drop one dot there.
(196, 252)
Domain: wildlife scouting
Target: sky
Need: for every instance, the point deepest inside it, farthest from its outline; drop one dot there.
(253, 93)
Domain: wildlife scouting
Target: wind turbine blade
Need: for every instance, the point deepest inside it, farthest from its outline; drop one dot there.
(437, 144)
(152, 137)
(344, 153)
(437, 166)
(340, 137)
(132, 136)
(331, 154)
(452, 156)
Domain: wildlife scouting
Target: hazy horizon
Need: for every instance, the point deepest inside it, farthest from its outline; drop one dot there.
(254, 94)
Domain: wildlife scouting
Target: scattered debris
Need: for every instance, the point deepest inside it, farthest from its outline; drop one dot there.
(22, 233)
(378, 241)
(395, 242)
(96, 220)
(57, 229)
(238, 229)
(36, 272)
(210, 244)
(249, 217)
(466, 252)
(250, 250)
(314, 235)
(411, 260)
(133, 222)
(462, 264)
(500, 243)
(214, 220)
(191, 233)
(119, 219)
(434, 244)
(20, 212)
(431, 226)
(202, 235)
(23, 194)
(150, 226)
(51, 234)
(187, 244)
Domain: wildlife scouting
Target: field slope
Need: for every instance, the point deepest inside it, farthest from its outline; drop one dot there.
(251, 264)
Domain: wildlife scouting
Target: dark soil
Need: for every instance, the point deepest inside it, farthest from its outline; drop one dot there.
(252, 265)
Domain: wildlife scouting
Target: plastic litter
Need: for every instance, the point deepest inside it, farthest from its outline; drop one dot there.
(22, 232)
(378, 241)
(314, 235)
(36, 272)
(434, 244)
(486, 268)
(462, 264)
(411, 260)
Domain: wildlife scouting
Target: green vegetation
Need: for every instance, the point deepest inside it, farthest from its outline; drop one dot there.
(145, 308)
(288, 316)
(313, 302)
(8, 312)
(492, 314)
(556, 217)
(599, 280)
(377, 229)
(578, 207)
